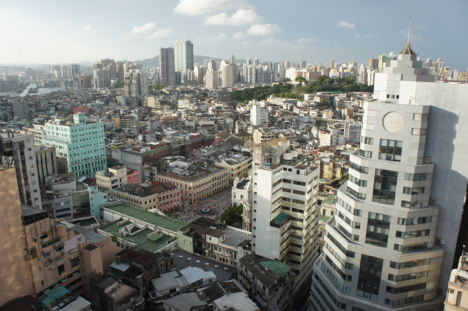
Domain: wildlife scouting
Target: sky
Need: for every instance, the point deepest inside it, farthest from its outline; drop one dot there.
(50, 32)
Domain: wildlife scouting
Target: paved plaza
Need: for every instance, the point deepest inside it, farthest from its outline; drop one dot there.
(217, 203)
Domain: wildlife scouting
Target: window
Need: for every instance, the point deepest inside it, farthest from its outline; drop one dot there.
(355, 194)
(365, 154)
(410, 264)
(415, 177)
(385, 186)
(409, 276)
(412, 234)
(412, 204)
(409, 248)
(360, 169)
(370, 274)
(367, 140)
(378, 226)
(357, 181)
(414, 221)
(414, 191)
(390, 150)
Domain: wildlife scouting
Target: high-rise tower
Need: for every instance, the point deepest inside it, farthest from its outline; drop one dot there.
(392, 239)
(167, 66)
(183, 50)
(284, 211)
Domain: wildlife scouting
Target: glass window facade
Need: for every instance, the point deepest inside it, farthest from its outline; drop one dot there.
(378, 226)
(370, 274)
(390, 150)
(385, 186)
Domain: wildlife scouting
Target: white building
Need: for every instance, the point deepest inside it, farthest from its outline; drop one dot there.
(392, 240)
(258, 114)
(227, 77)
(284, 211)
(211, 76)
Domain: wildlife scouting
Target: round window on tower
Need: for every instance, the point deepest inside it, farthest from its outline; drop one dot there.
(393, 122)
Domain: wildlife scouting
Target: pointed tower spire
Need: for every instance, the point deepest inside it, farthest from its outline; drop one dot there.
(408, 49)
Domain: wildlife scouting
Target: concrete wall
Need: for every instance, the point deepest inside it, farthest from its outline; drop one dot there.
(447, 145)
(16, 278)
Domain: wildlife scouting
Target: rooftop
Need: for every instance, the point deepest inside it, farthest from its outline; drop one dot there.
(148, 217)
(141, 239)
(185, 301)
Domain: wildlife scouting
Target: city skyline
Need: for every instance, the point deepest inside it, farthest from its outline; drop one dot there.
(219, 28)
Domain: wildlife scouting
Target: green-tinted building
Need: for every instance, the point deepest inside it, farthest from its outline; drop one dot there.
(81, 143)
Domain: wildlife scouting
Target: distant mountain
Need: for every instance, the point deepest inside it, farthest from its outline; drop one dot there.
(196, 59)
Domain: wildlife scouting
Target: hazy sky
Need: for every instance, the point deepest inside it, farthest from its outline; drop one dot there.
(50, 31)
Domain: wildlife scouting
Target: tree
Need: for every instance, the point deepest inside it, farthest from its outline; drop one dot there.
(300, 80)
(156, 87)
(321, 79)
(350, 79)
(232, 215)
(118, 85)
(285, 80)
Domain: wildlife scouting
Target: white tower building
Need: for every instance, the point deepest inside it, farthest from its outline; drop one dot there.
(284, 211)
(226, 74)
(211, 76)
(392, 240)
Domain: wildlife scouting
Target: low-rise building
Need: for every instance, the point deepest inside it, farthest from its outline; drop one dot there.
(269, 282)
(139, 229)
(238, 165)
(112, 178)
(262, 135)
(197, 181)
(207, 238)
(111, 295)
(457, 293)
(162, 196)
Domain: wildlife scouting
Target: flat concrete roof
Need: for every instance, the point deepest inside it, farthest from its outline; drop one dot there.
(148, 217)
(223, 272)
(234, 237)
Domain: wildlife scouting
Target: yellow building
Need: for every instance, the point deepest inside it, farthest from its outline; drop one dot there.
(196, 182)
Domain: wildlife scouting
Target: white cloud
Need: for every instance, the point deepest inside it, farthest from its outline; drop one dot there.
(149, 31)
(63, 23)
(240, 17)
(346, 24)
(357, 36)
(160, 34)
(305, 41)
(88, 29)
(197, 7)
(239, 35)
(264, 30)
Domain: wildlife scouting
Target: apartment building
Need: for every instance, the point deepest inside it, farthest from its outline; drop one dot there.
(262, 135)
(238, 165)
(18, 150)
(41, 253)
(112, 178)
(163, 196)
(258, 114)
(46, 160)
(80, 143)
(382, 248)
(284, 211)
(208, 238)
(457, 293)
(197, 181)
(269, 282)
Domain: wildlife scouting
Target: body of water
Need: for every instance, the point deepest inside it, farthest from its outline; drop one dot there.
(41, 90)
